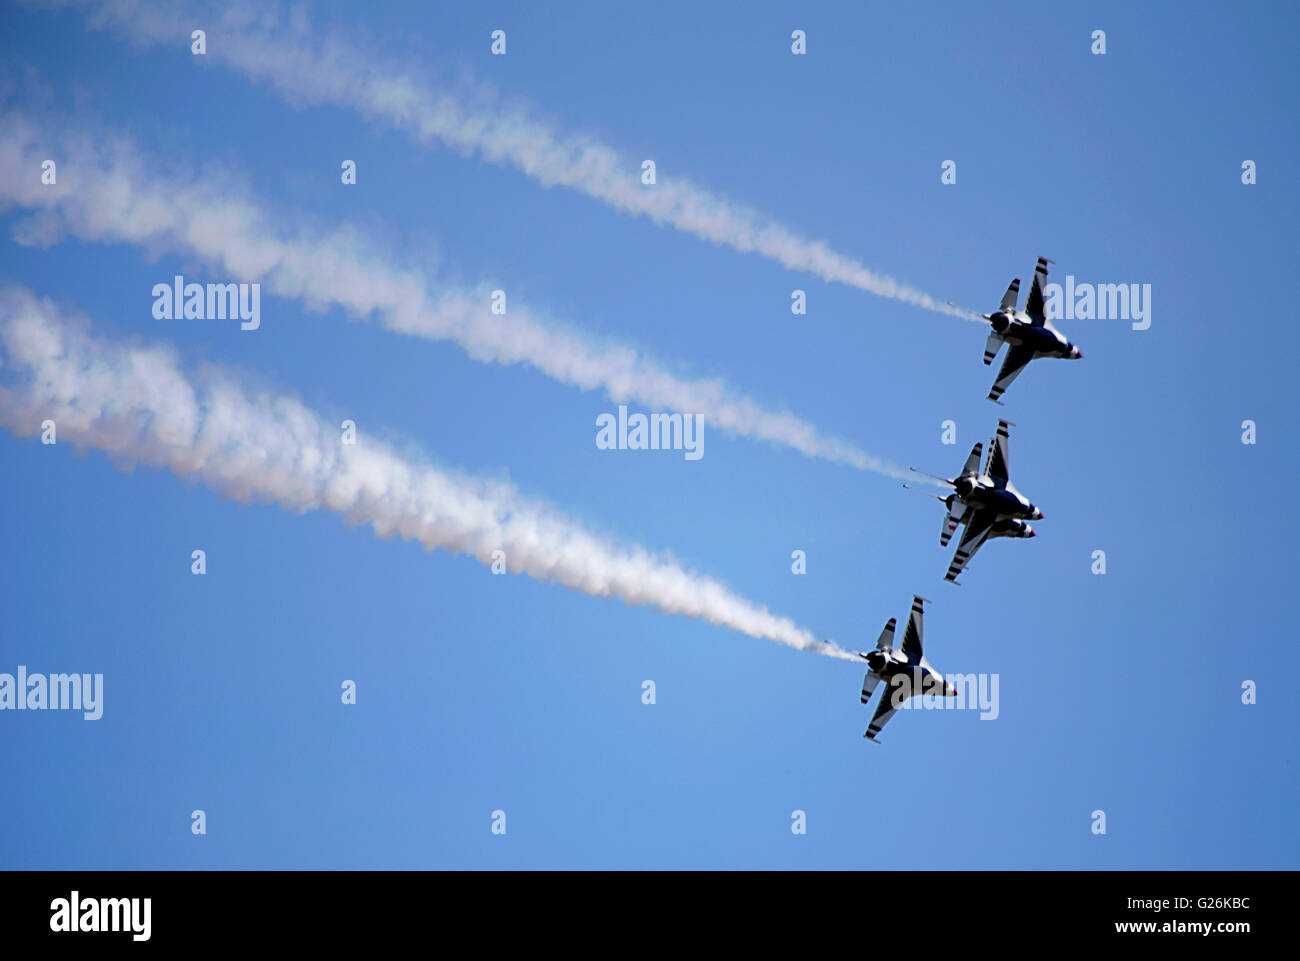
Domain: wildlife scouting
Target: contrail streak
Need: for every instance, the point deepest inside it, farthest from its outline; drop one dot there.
(139, 405)
(283, 53)
(111, 194)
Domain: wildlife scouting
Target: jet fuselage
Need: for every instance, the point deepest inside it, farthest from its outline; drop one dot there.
(889, 666)
(982, 495)
(1042, 340)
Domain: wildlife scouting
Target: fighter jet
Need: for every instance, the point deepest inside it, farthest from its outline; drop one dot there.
(1029, 332)
(987, 503)
(906, 673)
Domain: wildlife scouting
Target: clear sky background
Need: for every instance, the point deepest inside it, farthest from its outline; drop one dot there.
(477, 692)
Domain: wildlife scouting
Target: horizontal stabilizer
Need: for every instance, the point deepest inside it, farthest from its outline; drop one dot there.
(868, 685)
(886, 640)
(950, 521)
(1011, 296)
(992, 346)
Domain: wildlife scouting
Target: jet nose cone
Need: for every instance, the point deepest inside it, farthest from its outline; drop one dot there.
(1029, 531)
(1078, 354)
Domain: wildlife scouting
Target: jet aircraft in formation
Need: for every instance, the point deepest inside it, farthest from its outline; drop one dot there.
(906, 672)
(986, 503)
(1029, 332)
(983, 501)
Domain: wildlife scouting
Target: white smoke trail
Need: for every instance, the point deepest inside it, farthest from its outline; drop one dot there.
(283, 53)
(138, 404)
(108, 194)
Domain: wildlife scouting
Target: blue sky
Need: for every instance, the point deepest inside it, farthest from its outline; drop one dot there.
(477, 692)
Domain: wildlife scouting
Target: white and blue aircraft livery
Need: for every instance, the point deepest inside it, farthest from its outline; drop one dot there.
(987, 503)
(1029, 332)
(906, 673)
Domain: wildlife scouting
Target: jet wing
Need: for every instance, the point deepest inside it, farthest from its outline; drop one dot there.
(972, 465)
(912, 636)
(1015, 361)
(894, 695)
(977, 532)
(997, 468)
(1036, 306)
